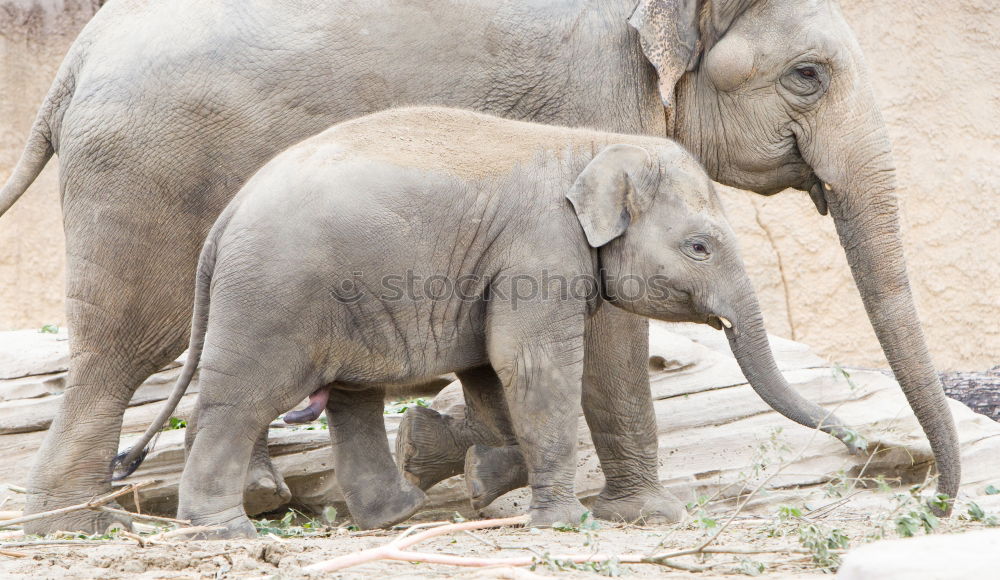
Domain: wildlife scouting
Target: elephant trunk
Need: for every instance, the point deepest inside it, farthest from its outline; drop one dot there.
(859, 188)
(748, 340)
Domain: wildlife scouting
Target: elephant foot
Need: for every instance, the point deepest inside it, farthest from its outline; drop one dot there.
(426, 450)
(568, 513)
(656, 506)
(493, 471)
(86, 521)
(229, 524)
(265, 489)
(398, 505)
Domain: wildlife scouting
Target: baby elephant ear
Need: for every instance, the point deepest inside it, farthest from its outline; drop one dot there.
(605, 194)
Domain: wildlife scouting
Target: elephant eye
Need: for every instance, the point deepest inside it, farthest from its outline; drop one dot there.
(807, 72)
(806, 80)
(697, 250)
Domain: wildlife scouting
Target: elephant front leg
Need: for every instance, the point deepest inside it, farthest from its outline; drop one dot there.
(376, 493)
(537, 352)
(618, 407)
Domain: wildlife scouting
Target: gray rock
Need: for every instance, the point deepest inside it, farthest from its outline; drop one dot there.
(968, 556)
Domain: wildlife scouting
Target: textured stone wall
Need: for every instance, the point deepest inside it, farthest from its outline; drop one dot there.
(935, 66)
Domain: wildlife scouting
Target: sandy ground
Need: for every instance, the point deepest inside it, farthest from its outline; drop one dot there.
(283, 557)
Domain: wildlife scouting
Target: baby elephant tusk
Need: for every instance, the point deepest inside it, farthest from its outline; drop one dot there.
(725, 322)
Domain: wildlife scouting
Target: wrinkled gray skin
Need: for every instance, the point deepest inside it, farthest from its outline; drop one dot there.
(161, 111)
(300, 289)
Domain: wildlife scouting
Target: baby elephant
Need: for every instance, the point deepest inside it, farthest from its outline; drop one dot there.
(411, 243)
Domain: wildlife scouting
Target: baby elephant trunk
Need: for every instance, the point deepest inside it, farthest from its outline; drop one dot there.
(748, 340)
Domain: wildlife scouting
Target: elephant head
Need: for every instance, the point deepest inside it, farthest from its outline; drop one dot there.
(667, 252)
(772, 94)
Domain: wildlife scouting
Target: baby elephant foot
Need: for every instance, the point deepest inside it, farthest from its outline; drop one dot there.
(657, 506)
(493, 471)
(390, 508)
(264, 492)
(229, 525)
(425, 448)
(264, 489)
(568, 513)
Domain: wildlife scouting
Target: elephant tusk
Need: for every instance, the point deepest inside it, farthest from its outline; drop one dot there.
(827, 186)
(725, 322)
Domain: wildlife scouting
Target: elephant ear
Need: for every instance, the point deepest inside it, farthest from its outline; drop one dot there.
(674, 33)
(612, 190)
(669, 36)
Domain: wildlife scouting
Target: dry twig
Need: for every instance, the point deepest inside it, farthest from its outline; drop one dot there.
(397, 550)
(92, 504)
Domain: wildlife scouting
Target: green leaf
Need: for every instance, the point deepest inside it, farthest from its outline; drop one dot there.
(907, 525)
(975, 512)
(992, 490)
(788, 512)
(50, 329)
(176, 423)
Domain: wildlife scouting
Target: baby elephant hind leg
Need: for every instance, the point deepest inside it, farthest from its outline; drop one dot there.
(376, 493)
(264, 489)
(234, 407)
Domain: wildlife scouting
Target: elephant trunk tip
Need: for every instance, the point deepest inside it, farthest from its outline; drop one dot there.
(855, 442)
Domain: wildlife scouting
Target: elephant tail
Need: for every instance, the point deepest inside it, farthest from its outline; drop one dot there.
(126, 462)
(37, 152)
(41, 146)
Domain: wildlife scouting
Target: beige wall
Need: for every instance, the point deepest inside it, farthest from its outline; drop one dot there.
(34, 36)
(935, 66)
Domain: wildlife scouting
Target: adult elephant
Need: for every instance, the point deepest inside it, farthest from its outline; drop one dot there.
(162, 110)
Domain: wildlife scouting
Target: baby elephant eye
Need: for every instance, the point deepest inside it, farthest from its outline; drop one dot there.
(697, 250)
(807, 72)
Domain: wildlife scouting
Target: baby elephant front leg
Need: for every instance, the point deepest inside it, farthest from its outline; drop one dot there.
(539, 359)
(376, 492)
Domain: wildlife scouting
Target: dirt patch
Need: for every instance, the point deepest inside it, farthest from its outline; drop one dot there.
(858, 519)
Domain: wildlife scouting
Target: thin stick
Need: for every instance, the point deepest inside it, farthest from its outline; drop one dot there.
(139, 516)
(182, 532)
(12, 554)
(62, 542)
(15, 488)
(395, 550)
(135, 500)
(94, 503)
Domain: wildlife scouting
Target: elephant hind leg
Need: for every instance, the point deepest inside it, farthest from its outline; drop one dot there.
(376, 493)
(239, 398)
(264, 489)
(112, 353)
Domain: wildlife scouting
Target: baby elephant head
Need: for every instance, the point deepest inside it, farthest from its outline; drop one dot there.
(666, 252)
